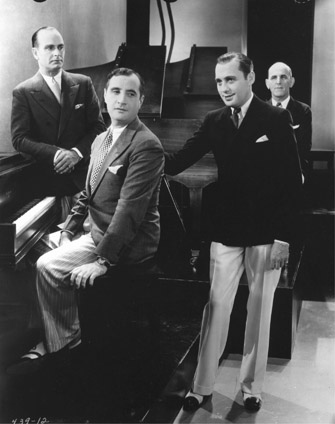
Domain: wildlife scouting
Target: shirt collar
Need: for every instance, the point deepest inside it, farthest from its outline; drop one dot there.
(58, 78)
(244, 108)
(284, 103)
(116, 132)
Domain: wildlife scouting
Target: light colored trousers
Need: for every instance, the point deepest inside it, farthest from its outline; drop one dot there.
(226, 268)
(56, 297)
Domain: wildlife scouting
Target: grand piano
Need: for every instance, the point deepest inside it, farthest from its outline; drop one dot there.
(24, 219)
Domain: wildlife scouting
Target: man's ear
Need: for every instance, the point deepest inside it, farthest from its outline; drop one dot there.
(267, 84)
(251, 77)
(292, 82)
(34, 52)
(141, 101)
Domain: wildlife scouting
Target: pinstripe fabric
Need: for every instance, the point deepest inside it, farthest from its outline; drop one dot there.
(57, 299)
(227, 265)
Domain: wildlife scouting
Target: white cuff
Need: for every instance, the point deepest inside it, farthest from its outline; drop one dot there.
(56, 154)
(284, 243)
(78, 152)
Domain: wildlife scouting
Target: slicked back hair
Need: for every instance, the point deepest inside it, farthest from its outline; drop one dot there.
(34, 38)
(245, 64)
(126, 72)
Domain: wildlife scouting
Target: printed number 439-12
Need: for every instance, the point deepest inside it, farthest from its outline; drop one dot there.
(28, 420)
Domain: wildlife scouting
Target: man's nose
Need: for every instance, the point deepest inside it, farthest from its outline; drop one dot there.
(121, 98)
(224, 87)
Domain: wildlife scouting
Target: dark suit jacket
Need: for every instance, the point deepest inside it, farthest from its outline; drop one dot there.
(40, 126)
(302, 124)
(123, 208)
(259, 175)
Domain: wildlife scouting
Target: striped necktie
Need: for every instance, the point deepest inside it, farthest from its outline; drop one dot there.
(104, 149)
(279, 104)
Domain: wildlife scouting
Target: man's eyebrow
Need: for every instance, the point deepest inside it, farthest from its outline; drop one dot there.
(279, 75)
(54, 45)
(225, 78)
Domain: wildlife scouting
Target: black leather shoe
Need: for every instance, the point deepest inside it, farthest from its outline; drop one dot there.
(191, 403)
(25, 366)
(252, 403)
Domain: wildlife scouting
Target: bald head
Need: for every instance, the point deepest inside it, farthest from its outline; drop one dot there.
(279, 67)
(279, 81)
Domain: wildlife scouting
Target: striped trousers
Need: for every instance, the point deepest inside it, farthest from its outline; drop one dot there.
(57, 298)
(226, 268)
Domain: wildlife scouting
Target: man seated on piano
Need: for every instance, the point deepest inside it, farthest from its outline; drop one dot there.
(55, 118)
(118, 208)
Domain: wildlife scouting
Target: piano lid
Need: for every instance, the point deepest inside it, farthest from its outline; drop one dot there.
(148, 61)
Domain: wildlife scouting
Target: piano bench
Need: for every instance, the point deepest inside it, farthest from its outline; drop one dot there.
(285, 314)
(124, 297)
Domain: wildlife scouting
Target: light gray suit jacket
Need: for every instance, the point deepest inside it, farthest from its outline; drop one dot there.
(123, 207)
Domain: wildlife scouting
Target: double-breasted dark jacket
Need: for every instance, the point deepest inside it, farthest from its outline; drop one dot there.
(40, 126)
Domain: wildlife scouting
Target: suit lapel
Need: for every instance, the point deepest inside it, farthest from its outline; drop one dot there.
(69, 94)
(118, 148)
(252, 121)
(44, 96)
(291, 107)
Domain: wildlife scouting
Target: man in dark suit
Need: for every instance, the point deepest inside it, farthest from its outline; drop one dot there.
(115, 221)
(55, 118)
(259, 180)
(280, 81)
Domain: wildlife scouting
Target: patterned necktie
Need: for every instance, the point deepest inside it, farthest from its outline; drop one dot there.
(235, 117)
(279, 104)
(56, 89)
(102, 155)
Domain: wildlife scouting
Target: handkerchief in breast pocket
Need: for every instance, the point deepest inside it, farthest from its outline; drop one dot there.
(262, 139)
(295, 127)
(79, 105)
(115, 169)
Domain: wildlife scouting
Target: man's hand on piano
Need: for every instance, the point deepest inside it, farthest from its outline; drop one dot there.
(65, 161)
(86, 274)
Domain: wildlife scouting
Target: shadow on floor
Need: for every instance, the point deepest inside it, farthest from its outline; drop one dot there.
(114, 383)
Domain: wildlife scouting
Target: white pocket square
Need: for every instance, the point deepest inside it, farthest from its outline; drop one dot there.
(262, 139)
(79, 105)
(114, 169)
(295, 127)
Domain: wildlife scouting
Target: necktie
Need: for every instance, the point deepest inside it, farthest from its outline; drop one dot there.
(235, 116)
(102, 155)
(56, 89)
(279, 104)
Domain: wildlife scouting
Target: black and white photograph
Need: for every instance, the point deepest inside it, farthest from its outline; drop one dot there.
(167, 211)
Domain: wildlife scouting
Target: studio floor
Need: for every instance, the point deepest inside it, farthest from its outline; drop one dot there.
(300, 390)
(141, 381)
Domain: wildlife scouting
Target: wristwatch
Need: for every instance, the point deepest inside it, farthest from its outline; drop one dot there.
(103, 261)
